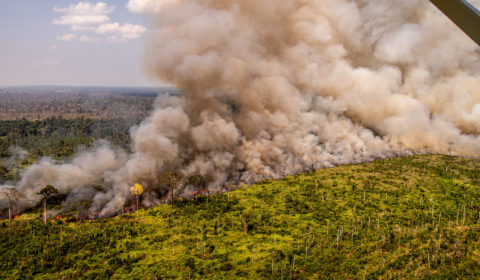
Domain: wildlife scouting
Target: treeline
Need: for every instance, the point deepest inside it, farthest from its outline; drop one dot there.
(108, 107)
(71, 103)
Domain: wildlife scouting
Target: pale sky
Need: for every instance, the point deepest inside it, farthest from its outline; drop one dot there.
(77, 43)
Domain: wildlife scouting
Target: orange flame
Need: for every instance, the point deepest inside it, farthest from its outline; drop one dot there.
(129, 209)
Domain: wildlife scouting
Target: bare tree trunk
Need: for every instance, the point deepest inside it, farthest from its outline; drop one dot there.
(9, 214)
(293, 267)
(272, 265)
(137, 205)
(45, 212)
(338, 236)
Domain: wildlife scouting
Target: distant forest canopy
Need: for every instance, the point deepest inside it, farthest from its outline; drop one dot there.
(38, 103)
(58, 121)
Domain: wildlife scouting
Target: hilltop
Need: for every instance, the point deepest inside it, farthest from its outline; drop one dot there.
(409, 217)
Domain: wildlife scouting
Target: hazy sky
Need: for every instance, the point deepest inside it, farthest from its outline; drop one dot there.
(64, 42)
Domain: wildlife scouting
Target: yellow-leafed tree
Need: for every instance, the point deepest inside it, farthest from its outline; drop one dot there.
(136, 190)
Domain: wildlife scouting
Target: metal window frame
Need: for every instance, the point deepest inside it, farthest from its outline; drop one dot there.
(463, 14)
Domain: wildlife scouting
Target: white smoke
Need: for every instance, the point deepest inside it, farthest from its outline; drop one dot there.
(16, 155)
(271, 88)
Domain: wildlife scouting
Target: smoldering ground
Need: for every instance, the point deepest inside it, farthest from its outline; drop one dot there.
(271, 88)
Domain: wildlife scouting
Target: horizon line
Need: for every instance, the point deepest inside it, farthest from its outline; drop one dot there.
(83, 86)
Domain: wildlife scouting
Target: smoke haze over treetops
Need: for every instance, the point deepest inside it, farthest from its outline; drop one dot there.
(272, 87)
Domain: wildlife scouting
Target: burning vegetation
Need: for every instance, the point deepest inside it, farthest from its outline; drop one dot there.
(410, 217)
(267, 92)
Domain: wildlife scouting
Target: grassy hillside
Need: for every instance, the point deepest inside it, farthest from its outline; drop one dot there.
(403, 218)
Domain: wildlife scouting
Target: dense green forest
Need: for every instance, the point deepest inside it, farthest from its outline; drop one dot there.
(58, 121)
(54, 137)
(413, 217)
(59, 137)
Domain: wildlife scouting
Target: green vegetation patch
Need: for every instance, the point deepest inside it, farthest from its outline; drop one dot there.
(413, 217)
(54, 137)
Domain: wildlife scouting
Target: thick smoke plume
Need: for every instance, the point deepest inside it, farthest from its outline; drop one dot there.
(272, 87)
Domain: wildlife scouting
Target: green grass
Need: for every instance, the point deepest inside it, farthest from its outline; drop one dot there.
(403, 218)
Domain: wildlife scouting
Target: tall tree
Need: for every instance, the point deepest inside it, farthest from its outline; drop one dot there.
(12, 195)
(248, 216)
(197, 182)
(136, 190)
(48, 192)
(171, 180)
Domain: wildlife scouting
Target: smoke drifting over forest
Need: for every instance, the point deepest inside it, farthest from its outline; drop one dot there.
(271, 88)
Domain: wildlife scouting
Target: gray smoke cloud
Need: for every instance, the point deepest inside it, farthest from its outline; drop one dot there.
(271, 88)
